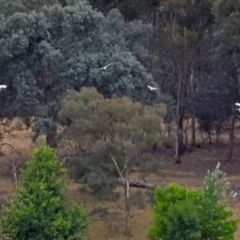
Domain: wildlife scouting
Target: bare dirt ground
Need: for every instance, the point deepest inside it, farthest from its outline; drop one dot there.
(190, 173)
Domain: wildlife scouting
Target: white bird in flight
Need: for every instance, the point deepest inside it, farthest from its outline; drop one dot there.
(238, 104)
(2, 87)
(152, 88)
(110, 64)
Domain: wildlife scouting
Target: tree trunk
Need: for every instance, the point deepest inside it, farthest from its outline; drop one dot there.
(231, 138)
(193, 139)
(126, 186)
(51, 140)
(186, 134)
(179, 118)
(168, 130)
(179, 140)
(127, 231)
(218, 129)
(209, 137)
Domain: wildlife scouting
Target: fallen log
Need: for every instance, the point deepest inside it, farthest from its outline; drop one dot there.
(142, 184)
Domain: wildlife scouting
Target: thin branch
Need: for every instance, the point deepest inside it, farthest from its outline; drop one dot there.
(118, 170)
(9, 145)
(187, 128)
(125, 166)
(131, 137)
(117, 204)
(101, 136)
(14, 172)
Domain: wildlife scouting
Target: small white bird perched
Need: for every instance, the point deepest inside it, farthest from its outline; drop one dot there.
(110, 64)
(2, 87)
(152, 88)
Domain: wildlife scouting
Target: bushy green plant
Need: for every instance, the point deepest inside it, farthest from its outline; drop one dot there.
(176, 216)
(182, 221)
(39, 211)
(181, 213)
(214, 213)
(41, 140)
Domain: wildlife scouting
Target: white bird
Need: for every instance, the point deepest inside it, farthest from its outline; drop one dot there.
(105, 68)
(2, 87)
(238, 104)
(152, 88)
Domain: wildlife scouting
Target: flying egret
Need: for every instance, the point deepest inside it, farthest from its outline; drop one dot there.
(238, 104)
(105, 67)
(152, 88)
(2, 87)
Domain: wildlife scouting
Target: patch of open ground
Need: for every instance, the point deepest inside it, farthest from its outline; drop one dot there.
(190, 173)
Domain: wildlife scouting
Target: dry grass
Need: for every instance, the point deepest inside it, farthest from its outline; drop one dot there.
(191, 173)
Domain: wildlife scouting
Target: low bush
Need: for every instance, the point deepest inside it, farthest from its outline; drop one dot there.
(184, 214)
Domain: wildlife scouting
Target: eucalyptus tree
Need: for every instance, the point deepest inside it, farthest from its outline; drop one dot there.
(172, 50)
(199, 39)
(226, 50)
(218, 69)
(131, 9)
(117, 135)
(179, 30)
(49, 48)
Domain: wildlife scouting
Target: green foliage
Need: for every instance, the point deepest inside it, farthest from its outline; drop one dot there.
(181, 213)
(40, 141)
(182, 222)
(214, 214)
(39, 210)
(175, 205)
(118, 129)
(223, 9)
(119, 134)
(48, 48)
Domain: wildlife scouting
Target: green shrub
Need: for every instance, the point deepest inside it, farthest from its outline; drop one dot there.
(182, 214)
(214, 213)
(39, 210)
(176, 216)
(182, 221)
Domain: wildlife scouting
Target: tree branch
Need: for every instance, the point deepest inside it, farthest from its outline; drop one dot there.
(8, 144)
(117, 168)
(118, 205)
(14, 166)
